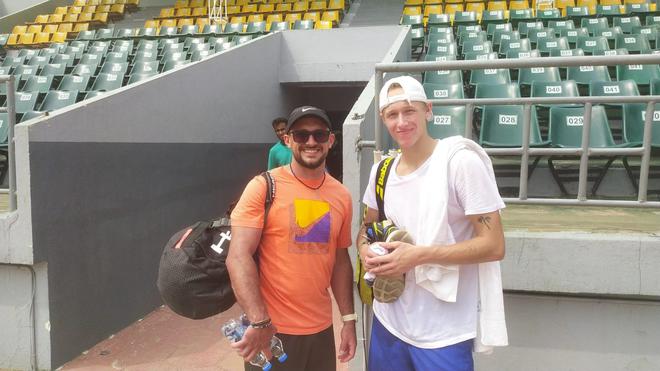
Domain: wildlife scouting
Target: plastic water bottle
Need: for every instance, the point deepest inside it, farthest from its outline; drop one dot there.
(234, 331)
(276, 347)
(369, 277)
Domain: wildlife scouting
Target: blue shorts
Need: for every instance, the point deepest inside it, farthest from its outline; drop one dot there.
(387, 353)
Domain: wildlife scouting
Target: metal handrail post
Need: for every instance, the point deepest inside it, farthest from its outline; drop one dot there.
(378, 83)
(468, 120)
(646, 154)
(524, 159)
(11, 150)
(584, 157)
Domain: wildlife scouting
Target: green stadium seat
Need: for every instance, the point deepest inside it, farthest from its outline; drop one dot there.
(440, 91)
(136, 77)
(559, 25)
(651, 20)
(13, 61)
(39, 84)
(547, 15)
(280, 26)
(584, 75)
(526, 76)
(642, 74)
(168, 31)
(145, 55)
(651, 33)
(64, 59)
(525, 27)
(303, 25)
(518, 45)
(465, 18)
(146, 32)
(565, 131)
(29, 115)
(76, 52)
(492, 27)
(567, 88)
(116, 57)
(222, 46)
(490, 76)
(537, 34)
(241, 39)
(105, 33)
(509, 90)
(25, 101)
(3, 39)
(145, 67)
(56, 99)
(38, 61)
(502, 126)
(436, 20)
(447, 121)
(438, 37)
(442, 49)
(573, 35)
(212, 29)
(124, 33)
(613, 88)
(609, 12)
(589, 44)
(198, 55)
(633, 135)
(635, 44)
(92, 60)
(523, 53)
(477, 46)
(74, 83)
(414, 21)
(472, 36)
(417, 37)
(444, 77)
(577, 13)
(610, 34)
(639, 8)
(500, 35)
(547, 46)
(256, 28)
(172, 64)
(27, 53)
(107, 82)
(435, 57)
(22, 72)
(119, 68)
(4, 134)
(171, 47)
(48, 52)
(93, 93)
(592, 24)
(493, 17)
(147, 45)
(189, 29)
(655, 86)
(123, 46)
(86, 35)
(518, 16)
(479, 56)
(627, 23)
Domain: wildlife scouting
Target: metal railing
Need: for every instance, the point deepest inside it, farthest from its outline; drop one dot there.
(10, 109)
(525, 151)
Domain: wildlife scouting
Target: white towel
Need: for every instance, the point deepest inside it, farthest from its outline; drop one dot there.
(442, 280)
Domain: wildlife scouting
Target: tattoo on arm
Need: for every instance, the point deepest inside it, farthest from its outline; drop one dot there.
(485, 220)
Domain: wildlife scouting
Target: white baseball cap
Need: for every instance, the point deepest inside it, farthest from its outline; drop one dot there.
(413, 91)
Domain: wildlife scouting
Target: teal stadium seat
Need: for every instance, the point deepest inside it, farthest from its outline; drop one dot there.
(610, 34)
(613, 88)
(38, 61)
(547, 46)
(107, 82)
(577, 13)
(635, 44)
(56, 99)
(74, 82)
(567, 88)
(525, 27)
(189, 29)
(465, 18)
(501, 126)
(538, 34)
(518, 45)
(633, 135)
(548, 15)
(447, 121)
(627, 24)
(642, 74)
(639, 9)
(608, 12)
(589, 44)
(470, 56)
(566, 126)
(592, 24)
(492, 27)
(518, 16)
(435, 20)
(212, 29)
(559, 25)
(303, 25)
(40, 84)
(500, 35)
(584, 75)
(25, 101)
(443, 91)
(526, 76)
(53, 69)
(493, 17)
(124, 33)
(444, 77)
(136, 77)
(442, 49)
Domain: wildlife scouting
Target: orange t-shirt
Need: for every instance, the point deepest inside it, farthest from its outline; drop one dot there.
(298, 246)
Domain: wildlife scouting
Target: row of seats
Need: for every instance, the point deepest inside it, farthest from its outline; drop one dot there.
(67, 21)
(201, 3)
(83, 69)
(105, 2)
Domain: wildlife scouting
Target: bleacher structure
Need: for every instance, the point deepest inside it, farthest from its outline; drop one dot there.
(476, 30)
(77, 52)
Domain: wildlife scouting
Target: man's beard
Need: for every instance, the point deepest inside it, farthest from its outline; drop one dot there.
(309, 165)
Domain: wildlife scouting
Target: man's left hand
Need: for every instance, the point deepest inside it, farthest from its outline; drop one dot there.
(402, 258)
(348, 342)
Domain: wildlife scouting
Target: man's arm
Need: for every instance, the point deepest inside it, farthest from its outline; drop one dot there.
(342, 288)
(245, 282)
(486, 245)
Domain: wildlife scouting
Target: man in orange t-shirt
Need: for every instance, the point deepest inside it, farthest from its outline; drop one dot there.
(303, 250)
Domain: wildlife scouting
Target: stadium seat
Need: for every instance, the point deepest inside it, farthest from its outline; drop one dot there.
(442, 49)
(609, 34)
(303, 25)
(642, 74)
(519, 45)
(627, 23)
(56, 99)
(577, 13)
(476, 46)
(526, 76)
(609, 12)
(438, 20)
(492, 27)
(22, 72)
(25, 101)
(198, 55)
(592, 24)
(565, 131)
(124, 32)
(119, 68)
(547, 15)
(584, 75)
(29, 115)
(490, 76)
(501, 126)
(540, 34)
(74, 83)
(525, 27)
(489, 17)
(523, 54)
(53, 69)
(444, 77)
(633, 135)
(107, 82)
(136, 77)
(40, 84)
(613, 88)
(447, 121)
(172, 64)
(639, 8)
(518, 16)
(105, 33)
(589, 44)
(440, 91)
(573, 35)
(557, 89)
(635, 44)
(500, 35)
(465, 18)
(546, 46)
(479, 56)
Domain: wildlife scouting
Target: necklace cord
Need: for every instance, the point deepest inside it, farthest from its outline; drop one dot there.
(303, 183)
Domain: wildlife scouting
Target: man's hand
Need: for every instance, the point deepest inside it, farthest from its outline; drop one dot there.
(348, 342)
(254, 341)
(402, 258)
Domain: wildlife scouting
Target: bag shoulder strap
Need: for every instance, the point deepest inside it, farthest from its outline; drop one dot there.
(382, 173)
(270, 196)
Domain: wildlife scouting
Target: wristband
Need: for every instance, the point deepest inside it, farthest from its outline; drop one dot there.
(349, 317)
(261, 324)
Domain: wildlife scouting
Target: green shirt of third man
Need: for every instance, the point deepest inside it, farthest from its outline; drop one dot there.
(279, 155)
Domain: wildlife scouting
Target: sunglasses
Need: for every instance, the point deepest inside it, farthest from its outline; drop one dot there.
(302, 136)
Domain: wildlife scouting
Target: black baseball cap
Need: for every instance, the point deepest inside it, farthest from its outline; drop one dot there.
(305, 111)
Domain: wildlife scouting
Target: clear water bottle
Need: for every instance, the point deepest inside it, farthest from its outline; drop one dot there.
(277, 349)
(234, 331)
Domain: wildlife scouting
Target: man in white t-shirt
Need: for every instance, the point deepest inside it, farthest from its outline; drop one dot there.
(419, 331)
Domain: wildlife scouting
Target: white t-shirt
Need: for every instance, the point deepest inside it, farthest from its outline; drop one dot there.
(418, 317)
